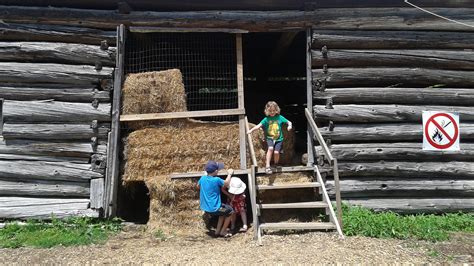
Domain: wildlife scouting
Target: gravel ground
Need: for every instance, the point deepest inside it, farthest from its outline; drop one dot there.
(134, 246)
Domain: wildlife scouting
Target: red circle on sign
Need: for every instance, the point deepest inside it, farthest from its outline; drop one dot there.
(451, 140)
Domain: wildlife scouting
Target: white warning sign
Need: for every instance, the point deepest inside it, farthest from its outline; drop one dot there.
(440, 131)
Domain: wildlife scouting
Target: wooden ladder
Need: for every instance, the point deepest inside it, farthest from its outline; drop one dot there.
(257, 209)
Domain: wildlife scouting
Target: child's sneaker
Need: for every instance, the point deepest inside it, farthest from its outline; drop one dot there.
(244, 228)
(268, 170)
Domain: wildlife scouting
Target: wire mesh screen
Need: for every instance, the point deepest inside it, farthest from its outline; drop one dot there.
(207, 62)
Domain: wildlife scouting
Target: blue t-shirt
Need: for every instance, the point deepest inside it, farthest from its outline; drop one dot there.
(210, 193)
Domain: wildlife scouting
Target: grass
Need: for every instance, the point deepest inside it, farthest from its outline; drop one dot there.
(362, 221)
(66, 232)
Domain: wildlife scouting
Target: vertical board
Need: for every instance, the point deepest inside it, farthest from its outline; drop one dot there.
(240, 95)
(309, 96)
(97, 193)
(113, 172)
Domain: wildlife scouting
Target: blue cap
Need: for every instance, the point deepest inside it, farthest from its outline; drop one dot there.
(212, 166)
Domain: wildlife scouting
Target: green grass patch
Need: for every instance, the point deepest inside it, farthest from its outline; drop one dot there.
(362, 221)
(66, 232)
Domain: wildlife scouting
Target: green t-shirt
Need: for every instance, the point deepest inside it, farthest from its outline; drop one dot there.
(272, 127)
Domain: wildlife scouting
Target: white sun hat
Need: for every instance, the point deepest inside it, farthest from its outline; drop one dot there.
(236, 186)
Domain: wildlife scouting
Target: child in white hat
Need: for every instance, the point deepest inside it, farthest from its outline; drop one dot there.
(237, 201)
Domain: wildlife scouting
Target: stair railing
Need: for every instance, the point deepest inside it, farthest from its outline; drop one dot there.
(332, 162)
(252, 183)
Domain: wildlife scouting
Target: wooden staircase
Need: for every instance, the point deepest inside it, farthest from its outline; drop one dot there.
(317, 183)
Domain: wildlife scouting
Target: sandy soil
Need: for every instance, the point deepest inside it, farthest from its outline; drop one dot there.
(136, 246)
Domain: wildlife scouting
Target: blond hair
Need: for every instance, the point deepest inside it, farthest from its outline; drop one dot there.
(271, 105)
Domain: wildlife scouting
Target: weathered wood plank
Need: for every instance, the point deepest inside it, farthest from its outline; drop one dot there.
(390, 39)
(358, 188)
(43, 208)
(416, 205)
(386, 132)
(417, 96)
(403, 168)
(97, 193)
(173, 115)
(52, 111)
(44, 188)
(440, 59)
(52, 73)
(385, 113)
(54, 33)
(397, 152)
(40, 170)
(376, 77)
(335, 18)
(59, 93)
(43, 158)
(57, 132)
(56, 52)
(50, 148)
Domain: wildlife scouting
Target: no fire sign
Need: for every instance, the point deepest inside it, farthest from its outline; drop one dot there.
(440, 131)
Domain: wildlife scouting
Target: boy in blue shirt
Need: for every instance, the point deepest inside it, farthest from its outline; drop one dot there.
(210, 186)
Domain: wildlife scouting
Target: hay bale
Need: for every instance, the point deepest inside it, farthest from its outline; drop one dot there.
(186, 147)
(153, 92)
(174, 206)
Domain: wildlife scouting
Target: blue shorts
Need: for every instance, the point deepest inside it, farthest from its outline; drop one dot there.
(276, 145)
(224, 210)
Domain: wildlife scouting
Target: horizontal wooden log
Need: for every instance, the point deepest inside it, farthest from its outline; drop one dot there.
(337, 18)
(39, 170)
(173, 115)
(416, 205)
(52, 111)
(417, 96)
(43, 208)
(401, 77)
(58, 93)
(403, 168)
(42, 188)
(56, 132)
(236, 5)
(385, 113)
(50, 148)
(55, 33)
(352, 39)
(42, 158)
(63, 53)
(396, 152)
(358, 188)
(386, 132)
(440, 59)
(52, 73)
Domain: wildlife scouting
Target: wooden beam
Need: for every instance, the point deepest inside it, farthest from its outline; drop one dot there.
(65, 53)
(416, 205)
(379, 113)
(113, 164)
(397, 76)
(240, 101)
(222, 173)
(174, 115)
(439, 59)
(43, 188)
(381, 95)
(33, 92)
(145, 29)
(43, 208)
(391, 39)
(309, 98)
(50, 148)
(54, 132)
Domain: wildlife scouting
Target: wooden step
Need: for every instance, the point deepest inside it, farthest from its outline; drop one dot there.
(298, 226)
(287, 169)
(294, 205)
(289, 186)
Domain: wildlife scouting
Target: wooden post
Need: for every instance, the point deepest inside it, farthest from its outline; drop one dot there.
(240, 95)
(253, 200)
(115, 132)
(251, 148)
(338, 193)
(309, 96)
(1, 117)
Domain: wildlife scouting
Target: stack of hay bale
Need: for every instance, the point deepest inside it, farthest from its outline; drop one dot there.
(157, 148)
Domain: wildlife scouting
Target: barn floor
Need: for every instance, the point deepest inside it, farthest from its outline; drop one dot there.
(136, 247)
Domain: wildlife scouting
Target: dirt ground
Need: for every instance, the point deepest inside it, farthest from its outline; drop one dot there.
(136, 246)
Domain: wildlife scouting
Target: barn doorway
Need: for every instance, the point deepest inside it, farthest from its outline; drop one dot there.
(275, 70)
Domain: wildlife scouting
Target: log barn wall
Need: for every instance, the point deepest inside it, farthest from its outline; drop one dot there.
(55, 82)
(385, 64)
(371, 85)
